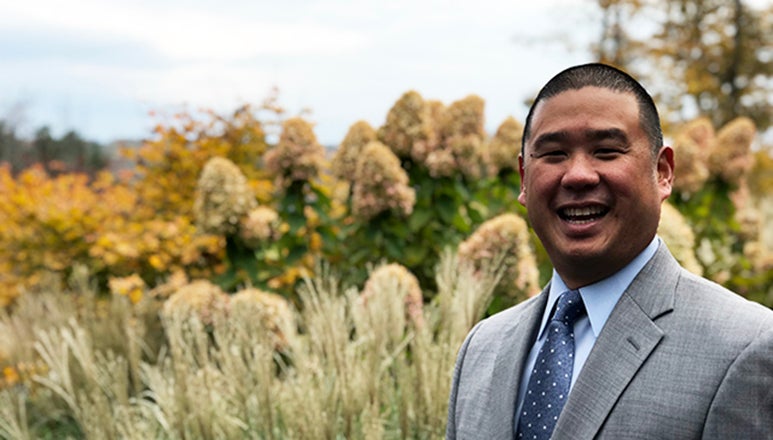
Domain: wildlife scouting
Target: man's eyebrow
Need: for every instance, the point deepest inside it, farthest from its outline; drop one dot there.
(614, 134)
(593, 135)
(557, 137)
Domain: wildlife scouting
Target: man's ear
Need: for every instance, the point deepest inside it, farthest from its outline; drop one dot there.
(665, 170)
(522, 194)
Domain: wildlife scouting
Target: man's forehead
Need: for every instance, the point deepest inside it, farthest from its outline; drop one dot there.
(593, 97)
(592, 88)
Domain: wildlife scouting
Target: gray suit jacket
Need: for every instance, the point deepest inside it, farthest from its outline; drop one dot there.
(679, 358)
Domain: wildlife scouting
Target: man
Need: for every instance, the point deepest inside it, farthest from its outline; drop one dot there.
(623, 343)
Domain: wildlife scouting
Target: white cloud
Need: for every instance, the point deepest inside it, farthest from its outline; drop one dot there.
(185, 33)
(346, 60)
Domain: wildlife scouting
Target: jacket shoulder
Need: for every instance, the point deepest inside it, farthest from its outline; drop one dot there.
(715, 304)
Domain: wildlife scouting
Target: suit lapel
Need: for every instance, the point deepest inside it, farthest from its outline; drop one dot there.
(626, 341)
(514, 348)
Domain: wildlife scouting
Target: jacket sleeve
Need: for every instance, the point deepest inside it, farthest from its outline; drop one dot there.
(743, 404)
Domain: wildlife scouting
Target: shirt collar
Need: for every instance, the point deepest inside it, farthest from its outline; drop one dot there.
(600, 297)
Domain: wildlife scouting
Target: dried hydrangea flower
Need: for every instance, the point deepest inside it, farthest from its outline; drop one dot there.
(679, 238)
(731, 156)
(345, 160)
(438, 114)
(259, 226)
(408, 130)
(505, 236)
(759, 255)
(200, 298)
(463, 134)
(465, 117)
(690, 165)
(270, 313)
(223, 197)
(466, 151)
(746, 214)
(297, 156)
(380, 184)
(441, 163)
(504, 148)
(700, 131)
(395, 278)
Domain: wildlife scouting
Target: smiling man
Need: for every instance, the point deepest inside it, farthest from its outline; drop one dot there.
(623, 343)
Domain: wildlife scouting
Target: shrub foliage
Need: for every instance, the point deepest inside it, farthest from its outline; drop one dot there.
(186, 297)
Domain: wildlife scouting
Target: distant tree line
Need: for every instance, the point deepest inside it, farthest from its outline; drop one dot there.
(68, 153)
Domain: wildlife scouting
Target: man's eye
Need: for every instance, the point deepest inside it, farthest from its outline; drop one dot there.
(608, 153)
(552, 154)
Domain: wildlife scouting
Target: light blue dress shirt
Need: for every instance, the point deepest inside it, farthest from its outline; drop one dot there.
(599, 299)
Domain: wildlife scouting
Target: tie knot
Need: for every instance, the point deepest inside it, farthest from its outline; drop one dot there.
(569, 307)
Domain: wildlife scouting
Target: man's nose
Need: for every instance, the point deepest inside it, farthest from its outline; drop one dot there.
(580, 173)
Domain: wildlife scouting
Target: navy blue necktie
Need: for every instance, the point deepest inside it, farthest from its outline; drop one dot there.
(552, 374)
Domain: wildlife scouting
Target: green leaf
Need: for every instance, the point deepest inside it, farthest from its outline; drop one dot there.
(393, 250)
(320, 193)
(271, 254)
(419, 218)
(446, 209)
(461, 222)
(327, 234)
(292, 202)
(462, 189)
(296, 253)
(296, 222)
(478, 212)
(415, 254)
(360, 256)
(398, 229)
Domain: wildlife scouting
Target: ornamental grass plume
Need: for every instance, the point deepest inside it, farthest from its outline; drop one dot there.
(267, 314)
(396, 279)
(170, 285)
(261, 225)
(504, 148)
(409, 130)
(223, 197)
(679, 238)
(297, 156)
(200, 298)
(132, 287)
(380, 184)
(504, 237)
(345, 160)
(344, 376)
(690, 165)
(731, 157)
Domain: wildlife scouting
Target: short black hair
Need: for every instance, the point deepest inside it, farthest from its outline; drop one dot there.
(606, 77)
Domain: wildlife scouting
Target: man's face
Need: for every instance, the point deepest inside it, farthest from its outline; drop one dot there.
(590, 183)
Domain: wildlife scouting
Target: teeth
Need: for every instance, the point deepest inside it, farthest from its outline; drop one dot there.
(583, 212)
(583, 215)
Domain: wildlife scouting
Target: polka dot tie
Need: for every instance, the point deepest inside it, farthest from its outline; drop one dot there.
(552, 374)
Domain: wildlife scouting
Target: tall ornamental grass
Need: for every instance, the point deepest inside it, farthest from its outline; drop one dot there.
(346, 364)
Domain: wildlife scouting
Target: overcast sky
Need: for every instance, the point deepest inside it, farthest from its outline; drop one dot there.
(100, 66)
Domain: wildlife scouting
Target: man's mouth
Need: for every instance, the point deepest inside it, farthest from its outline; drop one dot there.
(582, 215)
